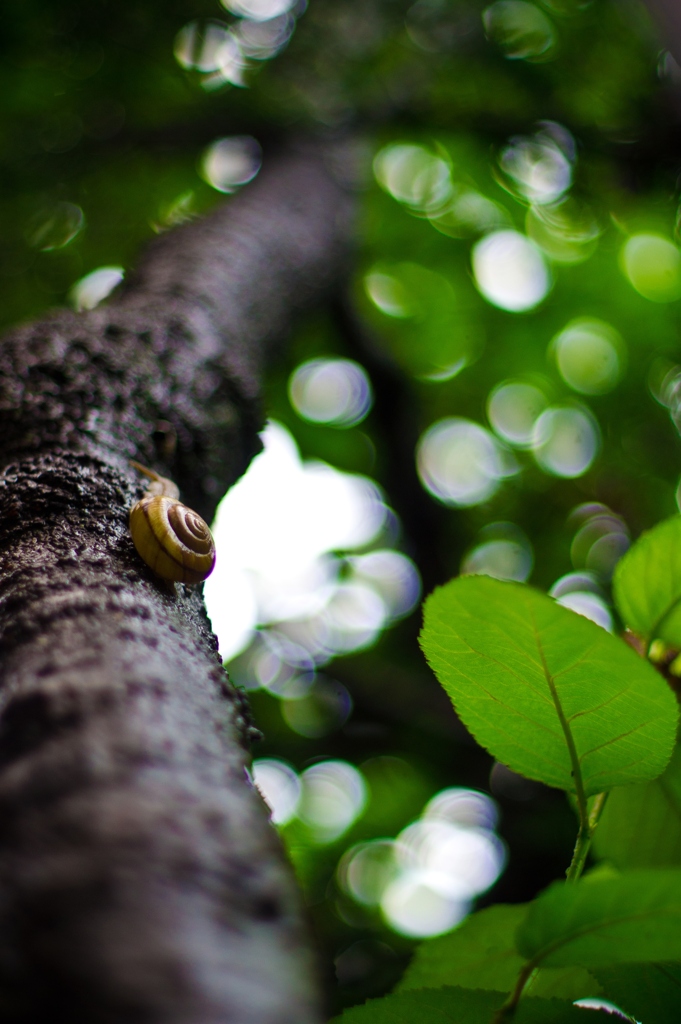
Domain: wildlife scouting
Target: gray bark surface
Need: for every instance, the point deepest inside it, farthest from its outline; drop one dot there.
(140, 878)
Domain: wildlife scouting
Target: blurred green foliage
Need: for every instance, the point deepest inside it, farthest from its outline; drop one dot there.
(103, 131)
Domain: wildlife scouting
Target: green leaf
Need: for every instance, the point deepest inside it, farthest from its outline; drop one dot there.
(641, 825)
(649, 992)
(562, 983)
(481, 953)
(461, 1006)
(546, 691)
(597, 922)
(647, 583)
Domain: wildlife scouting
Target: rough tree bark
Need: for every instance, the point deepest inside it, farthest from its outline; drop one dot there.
(140, 879)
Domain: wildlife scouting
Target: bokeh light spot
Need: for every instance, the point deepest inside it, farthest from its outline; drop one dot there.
(231, 162)
(94, 287)
(54, 226)
(259, 10)
(425, 879)
(590, 606)
(589, 355)
(333, 796)
(513, 408)
(389, 294)
(333, 391)
(461, 463)
(520, 30)
(505, 554)
(502, 559)
(393, 575)
(280, 787)
(581, 593)
(261, 40)
(355, 614)
(600, 541)
(510, 271)
(461, 861)
(566, 440)
(199, 45)
(367, 869)
(413, 906)
(574, 582)
(212, 49)
(653, 266)
(466, 807)
(414, 176)
(274, 532)
(537, 168)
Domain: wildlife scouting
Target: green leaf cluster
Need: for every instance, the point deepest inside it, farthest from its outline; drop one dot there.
(560, 700)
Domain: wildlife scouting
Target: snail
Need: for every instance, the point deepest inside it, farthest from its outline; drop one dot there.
(173, 540)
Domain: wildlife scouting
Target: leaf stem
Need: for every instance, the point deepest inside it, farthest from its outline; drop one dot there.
(588, 822)
(506, 1011)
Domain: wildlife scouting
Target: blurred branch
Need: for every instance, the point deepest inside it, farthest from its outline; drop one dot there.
(140, 878)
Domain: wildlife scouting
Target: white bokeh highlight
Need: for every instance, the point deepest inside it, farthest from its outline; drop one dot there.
(513, 408)
(332, 391)
(505, 558)
(510, 271)
(334, 794)
(279, 786)
(259, 10)
(581, 593)
(538, 169)
(566, 440)
(601, 539)
(275, 532)
(425, 879)
(212, 49)
(231, 162)
(414, 176)
(461, 463)
(94, 287)
(393, 576)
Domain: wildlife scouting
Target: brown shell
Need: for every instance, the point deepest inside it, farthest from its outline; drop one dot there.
(174, 541)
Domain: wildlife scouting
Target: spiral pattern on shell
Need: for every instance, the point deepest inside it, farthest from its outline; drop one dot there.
(172, 539)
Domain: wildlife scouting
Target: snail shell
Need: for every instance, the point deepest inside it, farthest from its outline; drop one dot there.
(174, 541)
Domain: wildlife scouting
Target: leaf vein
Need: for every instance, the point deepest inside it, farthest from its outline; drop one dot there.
(614, 739)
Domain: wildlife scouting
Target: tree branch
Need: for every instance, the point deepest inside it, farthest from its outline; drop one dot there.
(139, 877)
